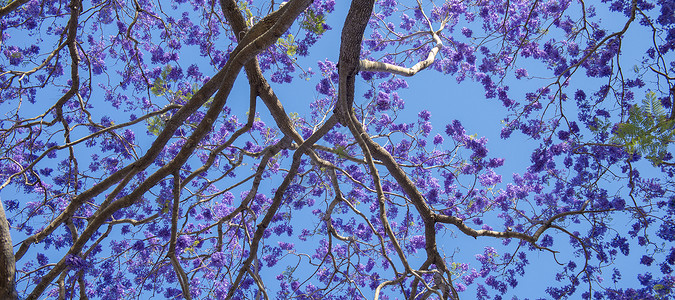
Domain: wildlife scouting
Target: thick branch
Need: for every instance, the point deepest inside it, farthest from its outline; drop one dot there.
(272, 26)
(257, 80)
(350, 51)
(229, 75)
(482, 232)
(376, 66)
(11, 6)
(7, 264)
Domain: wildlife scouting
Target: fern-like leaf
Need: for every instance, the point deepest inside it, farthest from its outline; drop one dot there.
(648, 131)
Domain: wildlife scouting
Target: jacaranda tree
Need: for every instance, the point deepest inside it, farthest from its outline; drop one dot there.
(132, 166)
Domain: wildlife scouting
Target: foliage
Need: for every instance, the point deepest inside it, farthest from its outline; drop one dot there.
(648, 131)
(147, 151)
(314, 22)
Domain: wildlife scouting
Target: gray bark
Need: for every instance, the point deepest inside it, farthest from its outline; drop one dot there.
(7, 264)
(376, 66)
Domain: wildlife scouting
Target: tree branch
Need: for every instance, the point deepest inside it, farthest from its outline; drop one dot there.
(375, 66)
(11, 6)
(228, 75)
(7, 262)
(180, 273)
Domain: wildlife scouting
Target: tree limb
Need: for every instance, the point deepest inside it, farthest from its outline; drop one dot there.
(7, 262)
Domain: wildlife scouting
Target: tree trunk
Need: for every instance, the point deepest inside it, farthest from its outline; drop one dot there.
(7, 266)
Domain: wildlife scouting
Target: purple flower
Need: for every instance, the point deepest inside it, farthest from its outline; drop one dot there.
(426, 128)
(466, 32)
(618, 203)
(438, 139)
(670, 259)
(460, 287)
(495, 162)
(218, 259)
(602, 113)
(666, 232)
(193, 71)
(455, 129)
(75, 262)
(418, 242)
(598, 34)
(520, 73)
(406, 22)
(382, 101)
(424, 115)
(665, 101)
(506, 133)
(324, 87)
(646, 260)
(547, 241)
(42, 259)
(478, 147)
(138, 245)
(14, 54)
(540, 157)
(286, 246)
(490, 178)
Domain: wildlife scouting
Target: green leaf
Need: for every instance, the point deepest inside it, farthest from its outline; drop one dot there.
(161, 83)
(340, 151)
(648, 131)
(249, 15)
(289, 44)
(314, 22)
(164, 205)
(155, 125)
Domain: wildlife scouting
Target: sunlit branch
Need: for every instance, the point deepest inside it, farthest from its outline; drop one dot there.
(134, 222)
(371, 66)
(386, 283)
(374, 66)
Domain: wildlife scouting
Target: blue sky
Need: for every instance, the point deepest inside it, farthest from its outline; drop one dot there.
(447, 100)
